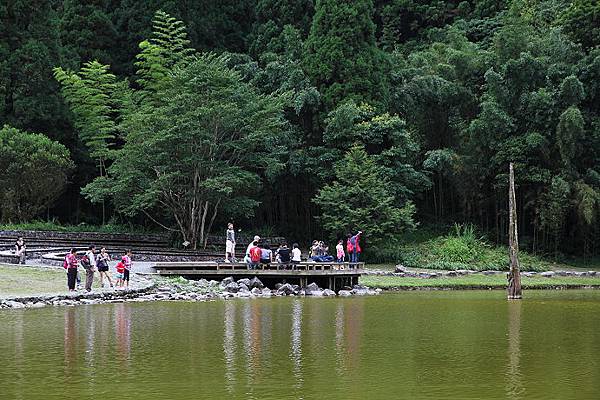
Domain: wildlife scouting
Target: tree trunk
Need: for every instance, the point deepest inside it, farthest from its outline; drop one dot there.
(514, 275)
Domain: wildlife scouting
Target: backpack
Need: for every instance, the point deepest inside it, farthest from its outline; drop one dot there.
(255, 254)
(120, 267)
(85, 262)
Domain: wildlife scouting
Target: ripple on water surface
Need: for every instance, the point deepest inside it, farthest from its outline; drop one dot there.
(421, 345)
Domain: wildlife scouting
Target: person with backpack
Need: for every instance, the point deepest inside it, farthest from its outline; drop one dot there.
(70, 264)
(102, 264)
(353, 246)
(88, 262)
(250, 246)
(255, 255)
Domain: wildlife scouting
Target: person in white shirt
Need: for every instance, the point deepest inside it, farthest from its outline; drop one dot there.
(230, 244)
(90, 267)
(251, 245)
(296, 256)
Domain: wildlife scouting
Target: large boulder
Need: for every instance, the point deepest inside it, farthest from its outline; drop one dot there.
(245, 281)
(15, 304)
(547, 274)
(231, 287)
(328, 292)
(310, 288)
(256, 283)
(256, 291)
(286, 289)
(243, 287)
(399, 269)
(203, 283)
(227, 281)
(360, 290)
(344, 293)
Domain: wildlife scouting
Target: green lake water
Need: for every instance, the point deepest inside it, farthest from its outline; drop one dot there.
(418, 345)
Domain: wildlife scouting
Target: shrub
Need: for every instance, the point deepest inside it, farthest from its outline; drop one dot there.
(33, 173)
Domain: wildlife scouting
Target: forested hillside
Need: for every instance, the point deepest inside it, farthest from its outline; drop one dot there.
(307, 117)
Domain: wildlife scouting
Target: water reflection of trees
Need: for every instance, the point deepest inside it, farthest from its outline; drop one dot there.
(319, 336)
(514, 382)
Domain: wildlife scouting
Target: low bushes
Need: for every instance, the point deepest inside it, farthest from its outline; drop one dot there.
(460, 249)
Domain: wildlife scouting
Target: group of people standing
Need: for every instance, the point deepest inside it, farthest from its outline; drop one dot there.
(259, 252)
(91, 262)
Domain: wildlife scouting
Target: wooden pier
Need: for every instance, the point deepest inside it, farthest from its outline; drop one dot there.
(330, 275)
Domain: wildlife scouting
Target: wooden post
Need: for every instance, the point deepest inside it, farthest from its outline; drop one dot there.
(514, 275)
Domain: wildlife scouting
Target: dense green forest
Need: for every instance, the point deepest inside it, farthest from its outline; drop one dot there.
(307, 117)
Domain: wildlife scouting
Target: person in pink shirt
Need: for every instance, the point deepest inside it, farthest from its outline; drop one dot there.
(128, 264)
(340, 251)
(70, 264)
(353, 246)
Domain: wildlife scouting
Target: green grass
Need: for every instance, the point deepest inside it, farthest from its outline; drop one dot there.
(476, 281)
(83, 227)
(23, 281)
(460, 248)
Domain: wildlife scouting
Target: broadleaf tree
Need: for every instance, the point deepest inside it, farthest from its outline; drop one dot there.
(199, 152)
(34, 171)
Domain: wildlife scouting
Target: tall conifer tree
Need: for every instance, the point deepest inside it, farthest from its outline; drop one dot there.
(341, 55)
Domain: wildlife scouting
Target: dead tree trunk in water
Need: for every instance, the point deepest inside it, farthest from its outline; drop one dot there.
(514, 275)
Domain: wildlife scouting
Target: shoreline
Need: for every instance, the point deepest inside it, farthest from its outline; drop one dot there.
(180, 289)
(151, 287)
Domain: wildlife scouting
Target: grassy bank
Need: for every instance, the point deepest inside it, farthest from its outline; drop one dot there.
(22, 281)
(477, 281)
(83, 227)
(461, 248)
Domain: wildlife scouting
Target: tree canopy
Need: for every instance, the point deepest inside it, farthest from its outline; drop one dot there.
(439, 95)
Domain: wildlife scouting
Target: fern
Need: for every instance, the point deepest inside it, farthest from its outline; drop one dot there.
(167, 48)
(90, 95)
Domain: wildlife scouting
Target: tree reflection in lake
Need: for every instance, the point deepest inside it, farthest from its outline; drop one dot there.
(514, 384)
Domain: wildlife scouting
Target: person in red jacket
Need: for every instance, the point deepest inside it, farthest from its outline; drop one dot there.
(119, 275)
(353, 246)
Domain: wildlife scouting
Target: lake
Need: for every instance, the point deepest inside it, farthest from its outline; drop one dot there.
(414, 345)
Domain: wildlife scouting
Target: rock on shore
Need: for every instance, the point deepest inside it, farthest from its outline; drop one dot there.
(181, 289)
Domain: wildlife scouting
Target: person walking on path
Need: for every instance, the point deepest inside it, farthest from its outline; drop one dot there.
(20, 250)
(88, 262)
(102, 264)
(230, 244)
(128, 265)
(70, 264)
(353, 246)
